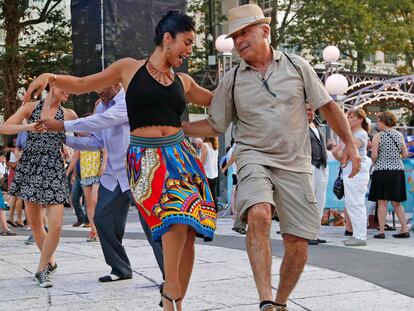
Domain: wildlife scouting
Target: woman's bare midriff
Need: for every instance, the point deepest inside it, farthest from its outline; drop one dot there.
(155, 131)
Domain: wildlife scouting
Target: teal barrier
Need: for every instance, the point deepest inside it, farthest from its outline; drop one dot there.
(333, 202)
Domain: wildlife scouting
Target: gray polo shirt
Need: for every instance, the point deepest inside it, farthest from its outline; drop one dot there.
(271, 131)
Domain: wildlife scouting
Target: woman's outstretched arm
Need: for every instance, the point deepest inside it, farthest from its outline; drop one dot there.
(111, 75)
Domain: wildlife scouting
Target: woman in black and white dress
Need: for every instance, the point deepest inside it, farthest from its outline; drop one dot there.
(388, 179)
(40, 178)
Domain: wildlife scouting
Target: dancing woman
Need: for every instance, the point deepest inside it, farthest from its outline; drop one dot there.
(40, 178)
(166, 177)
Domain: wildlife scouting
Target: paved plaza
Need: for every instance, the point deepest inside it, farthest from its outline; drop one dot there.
(337, 278)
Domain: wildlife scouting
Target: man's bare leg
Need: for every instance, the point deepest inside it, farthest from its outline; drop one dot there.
(259, 249)
(294, 260)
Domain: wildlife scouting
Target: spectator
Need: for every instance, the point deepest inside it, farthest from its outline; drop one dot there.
(209, 158)
(15, 203)
(319, 160)
(356, 187)
(73, 173)
(388, 178)
(231, 168)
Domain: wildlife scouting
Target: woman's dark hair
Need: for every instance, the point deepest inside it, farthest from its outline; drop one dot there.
(56, 72)
(10, 141)
(173, 22)
(388, 118)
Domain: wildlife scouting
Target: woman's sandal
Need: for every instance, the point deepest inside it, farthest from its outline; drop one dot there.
(174, 301)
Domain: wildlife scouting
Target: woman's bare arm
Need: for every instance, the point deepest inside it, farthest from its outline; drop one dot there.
(113, 74)
(196, 94)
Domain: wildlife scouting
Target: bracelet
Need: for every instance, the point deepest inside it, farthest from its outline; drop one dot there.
(54, 79)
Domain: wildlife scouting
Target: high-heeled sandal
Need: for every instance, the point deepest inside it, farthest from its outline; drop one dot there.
(174, 301)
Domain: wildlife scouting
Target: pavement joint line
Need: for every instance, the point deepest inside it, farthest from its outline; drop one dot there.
(145, 277)
(299, 305)
(341, 294)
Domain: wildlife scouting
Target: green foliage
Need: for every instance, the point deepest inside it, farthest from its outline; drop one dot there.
(27, 48)
(200, 11)
(195, 109)
(349, 24)
(397, 27)
(48, 50)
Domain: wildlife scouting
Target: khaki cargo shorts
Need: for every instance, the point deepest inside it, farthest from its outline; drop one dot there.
(289, 192)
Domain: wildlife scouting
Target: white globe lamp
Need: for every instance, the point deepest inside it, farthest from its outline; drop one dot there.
(336, 84)
(224, 45)
(330, 54)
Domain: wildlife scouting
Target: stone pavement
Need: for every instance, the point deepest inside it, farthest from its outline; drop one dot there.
(222, 279)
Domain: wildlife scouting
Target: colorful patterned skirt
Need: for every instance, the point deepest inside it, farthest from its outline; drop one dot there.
(169, 186)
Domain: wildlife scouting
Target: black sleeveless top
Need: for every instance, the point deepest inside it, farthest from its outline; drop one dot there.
(150, 103)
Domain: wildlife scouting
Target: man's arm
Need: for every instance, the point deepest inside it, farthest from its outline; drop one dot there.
(92, 142)
(339, 124)
(114, 116)
(201, 128)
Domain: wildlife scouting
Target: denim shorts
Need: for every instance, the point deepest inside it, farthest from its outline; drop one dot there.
(89, 181)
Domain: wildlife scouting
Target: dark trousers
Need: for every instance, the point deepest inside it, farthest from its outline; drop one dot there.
(156, 246)
(213, 188)
(75, 195)
(110, 219)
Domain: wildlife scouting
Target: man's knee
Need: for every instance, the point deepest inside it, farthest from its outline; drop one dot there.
(259, 216)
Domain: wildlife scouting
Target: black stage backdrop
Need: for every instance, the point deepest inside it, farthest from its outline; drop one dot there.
(128, 32)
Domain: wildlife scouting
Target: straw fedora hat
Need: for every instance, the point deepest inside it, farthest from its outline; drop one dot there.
(245, 15)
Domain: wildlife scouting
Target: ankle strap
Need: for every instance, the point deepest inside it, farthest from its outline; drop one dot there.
(168, 298)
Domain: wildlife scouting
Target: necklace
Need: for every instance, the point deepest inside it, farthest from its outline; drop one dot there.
(164, 77)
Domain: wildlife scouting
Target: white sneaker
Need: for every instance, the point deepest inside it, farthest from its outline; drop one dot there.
(355, 242)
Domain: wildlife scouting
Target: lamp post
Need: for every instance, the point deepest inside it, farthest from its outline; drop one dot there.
(223, 47)
(335, 83)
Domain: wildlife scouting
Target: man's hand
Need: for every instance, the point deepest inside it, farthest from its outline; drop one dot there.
(350, 153)
(36, 87)
(49, 125)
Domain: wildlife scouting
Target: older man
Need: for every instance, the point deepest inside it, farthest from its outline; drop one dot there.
(109, 129)
(266, 96)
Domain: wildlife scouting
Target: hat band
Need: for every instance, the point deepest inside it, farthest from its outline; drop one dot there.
(245, 20)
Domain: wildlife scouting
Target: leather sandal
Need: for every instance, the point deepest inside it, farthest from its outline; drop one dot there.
(173, 301)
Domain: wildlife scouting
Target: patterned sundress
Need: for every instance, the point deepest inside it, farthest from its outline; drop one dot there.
(40, 175)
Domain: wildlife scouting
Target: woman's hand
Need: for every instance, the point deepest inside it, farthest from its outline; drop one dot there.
(37, 86)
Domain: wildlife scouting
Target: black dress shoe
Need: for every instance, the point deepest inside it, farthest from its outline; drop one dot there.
(380, 236)
(348, 233)
(401, 235)
(112, 278)
(313, 242)
(321, 241)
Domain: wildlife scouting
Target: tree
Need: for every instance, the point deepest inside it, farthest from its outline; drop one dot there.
(352, 25)
(16, 19)
(290, 11)
(207, 14)
(397, 29)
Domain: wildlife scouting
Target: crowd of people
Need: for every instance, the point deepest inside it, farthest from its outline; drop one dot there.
(138, 117)
(381, 175)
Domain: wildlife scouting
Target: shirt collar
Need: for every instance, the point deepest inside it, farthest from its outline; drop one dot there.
(276, 56)
(119, 95)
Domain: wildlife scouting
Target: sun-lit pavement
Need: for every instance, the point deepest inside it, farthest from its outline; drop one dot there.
(222, 279)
